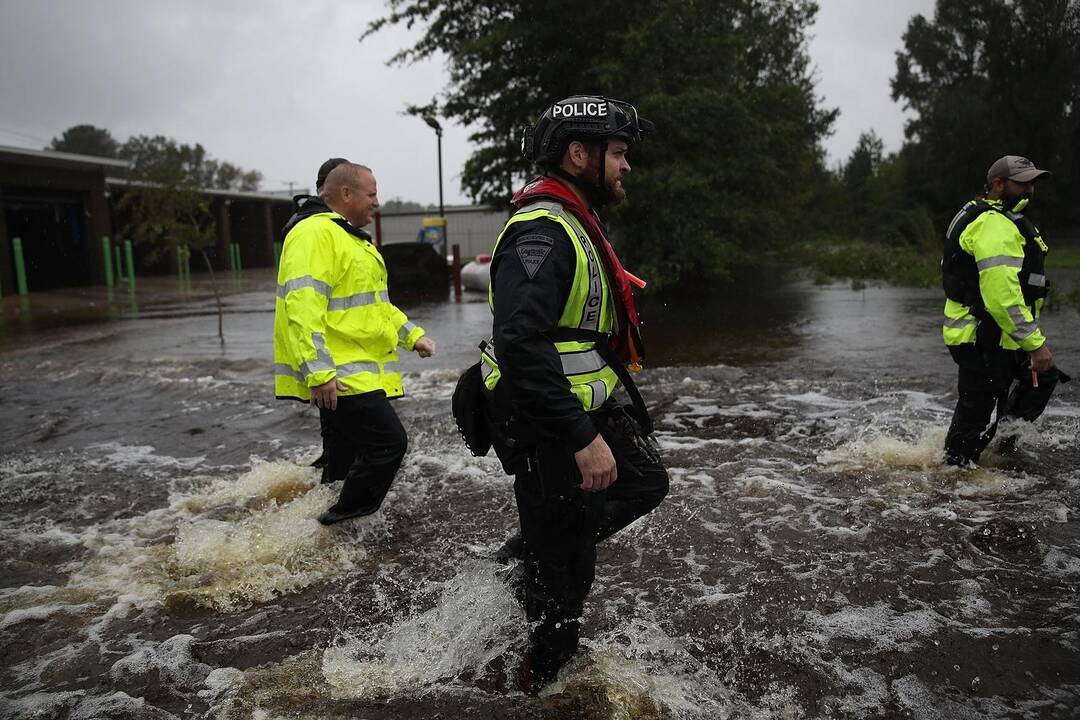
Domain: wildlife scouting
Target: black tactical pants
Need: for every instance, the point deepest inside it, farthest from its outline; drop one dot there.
(561, 524)
(365, 444)
(990, 379)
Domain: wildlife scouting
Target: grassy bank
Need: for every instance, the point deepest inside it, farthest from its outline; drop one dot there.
(1063, 258)
(860, 261)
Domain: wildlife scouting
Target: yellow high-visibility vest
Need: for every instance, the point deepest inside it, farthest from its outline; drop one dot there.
(589, 307)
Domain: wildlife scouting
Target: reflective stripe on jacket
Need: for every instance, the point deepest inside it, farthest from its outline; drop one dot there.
(1000, 251)
(333, 316)
(588, 307)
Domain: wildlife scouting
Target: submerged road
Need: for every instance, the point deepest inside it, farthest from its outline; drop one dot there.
(160, 556)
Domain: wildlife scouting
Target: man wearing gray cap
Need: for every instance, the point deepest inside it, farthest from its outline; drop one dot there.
(995, 285)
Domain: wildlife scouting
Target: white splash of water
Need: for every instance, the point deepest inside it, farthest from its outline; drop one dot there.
(233, 542)
(640, 670)
(474, 621)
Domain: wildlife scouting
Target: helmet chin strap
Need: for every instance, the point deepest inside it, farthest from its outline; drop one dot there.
(603, 169)
(587, 190)
(596, 195)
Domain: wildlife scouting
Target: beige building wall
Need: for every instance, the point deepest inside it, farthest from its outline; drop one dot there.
(474, 228)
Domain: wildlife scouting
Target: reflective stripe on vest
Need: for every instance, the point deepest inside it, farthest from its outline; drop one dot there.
(962, 278)
(349, 329)
(588, 307)
(589, 304)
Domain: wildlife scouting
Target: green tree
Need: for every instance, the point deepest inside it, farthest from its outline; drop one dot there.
(174, 163)
(984, 82)
(864, 162)
(163, 204)
(86, 140)
(159, 156)
(728, 84)
(397, 205)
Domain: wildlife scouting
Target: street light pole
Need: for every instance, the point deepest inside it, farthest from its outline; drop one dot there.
(456, 262)
(438, 140)
(438, 135)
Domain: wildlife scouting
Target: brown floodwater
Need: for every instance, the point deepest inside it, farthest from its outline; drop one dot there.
(160, 556)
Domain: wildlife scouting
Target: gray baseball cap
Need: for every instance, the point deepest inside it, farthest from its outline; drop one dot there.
(1015, 168)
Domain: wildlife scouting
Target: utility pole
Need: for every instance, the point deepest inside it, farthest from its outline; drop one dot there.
(438, 136)
(434, 124)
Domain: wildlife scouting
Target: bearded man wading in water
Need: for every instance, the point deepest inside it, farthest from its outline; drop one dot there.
(564, 329)
(995, 284)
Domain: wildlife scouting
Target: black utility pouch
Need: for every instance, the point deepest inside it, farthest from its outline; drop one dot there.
(468, 406)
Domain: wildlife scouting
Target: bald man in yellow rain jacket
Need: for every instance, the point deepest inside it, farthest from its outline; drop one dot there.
(336, 335)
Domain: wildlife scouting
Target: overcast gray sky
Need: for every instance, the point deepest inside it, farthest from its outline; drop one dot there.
(280, 85)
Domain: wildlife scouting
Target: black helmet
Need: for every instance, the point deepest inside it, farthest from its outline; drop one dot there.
(578, 117)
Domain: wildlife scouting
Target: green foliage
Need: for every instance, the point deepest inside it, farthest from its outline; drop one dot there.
(397, 205)
(859, 261)
(164, 204)
(86, 140)
(160, 157)
(869, 226)
(865, 161)
(727, 83)
(983, 81)
(1002, 80)
(164, 208)
(1063, 258)
(170, 162)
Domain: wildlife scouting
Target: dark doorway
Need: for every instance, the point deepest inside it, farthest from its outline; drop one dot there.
(53, 235)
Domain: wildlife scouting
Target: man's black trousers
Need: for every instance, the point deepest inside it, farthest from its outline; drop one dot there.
(365, 444)
(989, 379)
(561, 524)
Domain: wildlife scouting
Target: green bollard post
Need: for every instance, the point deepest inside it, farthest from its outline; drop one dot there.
(130, 265)
(107, 255)
(20, 266)
(236, 257)
(180, 265)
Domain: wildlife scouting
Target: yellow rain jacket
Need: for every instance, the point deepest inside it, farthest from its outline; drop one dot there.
(333, 316)
(1008, 258)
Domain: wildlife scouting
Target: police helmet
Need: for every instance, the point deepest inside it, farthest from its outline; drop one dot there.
(581, 116)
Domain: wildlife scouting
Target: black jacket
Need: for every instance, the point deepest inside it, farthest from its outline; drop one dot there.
(528, 300)
(303, 206)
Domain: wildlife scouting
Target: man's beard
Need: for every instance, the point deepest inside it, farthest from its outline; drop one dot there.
(1016, 203)
(612, 193)
(614, 190)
